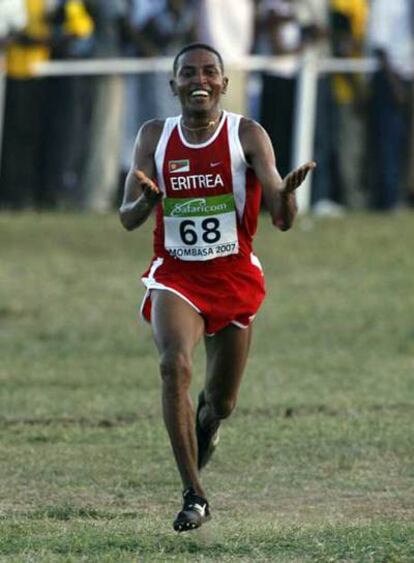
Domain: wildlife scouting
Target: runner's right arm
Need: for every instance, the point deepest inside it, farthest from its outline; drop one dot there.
(141, 194)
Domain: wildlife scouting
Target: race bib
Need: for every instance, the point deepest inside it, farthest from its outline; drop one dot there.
(200, 228)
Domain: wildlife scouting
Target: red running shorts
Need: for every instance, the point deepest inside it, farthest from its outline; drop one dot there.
(223, 294)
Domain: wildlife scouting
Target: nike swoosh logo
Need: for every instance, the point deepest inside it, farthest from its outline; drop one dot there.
(212, 164)
(200, 509)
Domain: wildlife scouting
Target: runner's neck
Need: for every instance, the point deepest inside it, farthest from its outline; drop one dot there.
(199, 131)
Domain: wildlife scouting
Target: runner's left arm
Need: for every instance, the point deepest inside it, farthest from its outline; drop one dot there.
(279, 194)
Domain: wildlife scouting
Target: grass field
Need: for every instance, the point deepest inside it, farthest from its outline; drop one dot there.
(316, 464)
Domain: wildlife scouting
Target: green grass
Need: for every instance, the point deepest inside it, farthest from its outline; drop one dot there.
(316, 464)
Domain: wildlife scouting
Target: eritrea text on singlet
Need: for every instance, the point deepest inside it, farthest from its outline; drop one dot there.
(200, 228)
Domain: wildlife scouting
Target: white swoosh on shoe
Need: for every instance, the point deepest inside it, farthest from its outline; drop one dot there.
(200, 509)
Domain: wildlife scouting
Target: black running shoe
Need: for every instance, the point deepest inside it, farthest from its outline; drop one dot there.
(194, 513)
(206, 441)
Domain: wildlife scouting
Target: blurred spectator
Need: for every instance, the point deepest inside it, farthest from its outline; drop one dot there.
(13, 18)
(314, 18)
(24, 156)
(155, 28)
(76, 36)
(139, 101)
(390, 38)
(349, 18)
(100, 178)
(168, 29)
(410, 195)
(69, 104)
(140, 43)
(279, 33)
(229, 27)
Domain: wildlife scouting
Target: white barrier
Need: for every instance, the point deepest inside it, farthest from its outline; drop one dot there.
(307, 67)
(164, 64)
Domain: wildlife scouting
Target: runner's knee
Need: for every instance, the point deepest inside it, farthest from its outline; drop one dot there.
(175, 368)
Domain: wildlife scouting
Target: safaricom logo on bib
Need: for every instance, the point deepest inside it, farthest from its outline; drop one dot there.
(196, 181)
(198, 207)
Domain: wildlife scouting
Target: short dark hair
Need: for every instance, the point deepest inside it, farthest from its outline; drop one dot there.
(192, 47)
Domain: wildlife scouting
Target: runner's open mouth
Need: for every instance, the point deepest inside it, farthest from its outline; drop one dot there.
(199, 94)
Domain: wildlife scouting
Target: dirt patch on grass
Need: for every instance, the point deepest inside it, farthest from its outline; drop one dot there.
(257, 412)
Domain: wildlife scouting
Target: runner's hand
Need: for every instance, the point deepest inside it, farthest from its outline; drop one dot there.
(150, 188)
(295, 178)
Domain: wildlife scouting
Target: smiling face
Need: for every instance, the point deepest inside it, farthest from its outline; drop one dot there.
(199, 82)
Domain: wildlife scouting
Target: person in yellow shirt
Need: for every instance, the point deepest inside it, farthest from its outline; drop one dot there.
(20, 179)
(74, 29)
(32, 44)
(33, 109)
(78, 21)
(348, 24)
(349, 20)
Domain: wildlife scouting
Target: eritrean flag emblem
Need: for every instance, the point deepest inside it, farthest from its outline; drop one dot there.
(178, 166)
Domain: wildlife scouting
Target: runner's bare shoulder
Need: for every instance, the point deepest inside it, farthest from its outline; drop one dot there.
(150, 132)
(250, 135)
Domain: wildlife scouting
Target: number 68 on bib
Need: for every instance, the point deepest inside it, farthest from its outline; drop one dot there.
(200, 228)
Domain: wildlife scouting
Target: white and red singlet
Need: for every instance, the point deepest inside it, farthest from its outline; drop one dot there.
(205, 225)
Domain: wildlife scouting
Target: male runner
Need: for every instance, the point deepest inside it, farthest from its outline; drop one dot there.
(203, 172)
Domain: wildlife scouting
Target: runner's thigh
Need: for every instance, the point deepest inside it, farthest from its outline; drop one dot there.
(176, 325)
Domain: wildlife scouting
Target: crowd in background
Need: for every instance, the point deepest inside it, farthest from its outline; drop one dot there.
(67, 140)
